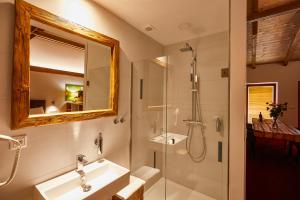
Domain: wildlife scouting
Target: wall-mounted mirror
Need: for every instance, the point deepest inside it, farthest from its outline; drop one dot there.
(62, 71)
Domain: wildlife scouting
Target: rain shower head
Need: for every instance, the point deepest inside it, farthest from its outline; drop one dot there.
(186, 48)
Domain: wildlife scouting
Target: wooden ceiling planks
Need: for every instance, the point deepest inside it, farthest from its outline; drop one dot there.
(277, 40)
(273, 38)
(256, 15)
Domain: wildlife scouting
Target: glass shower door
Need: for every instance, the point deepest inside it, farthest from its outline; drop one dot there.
(148, 125)
(197, 115)
(180, 121)
(197, 119)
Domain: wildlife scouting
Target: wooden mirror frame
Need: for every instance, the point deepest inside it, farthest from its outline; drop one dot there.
(20, 101)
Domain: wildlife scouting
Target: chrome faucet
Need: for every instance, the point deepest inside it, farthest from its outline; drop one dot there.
(81, 161)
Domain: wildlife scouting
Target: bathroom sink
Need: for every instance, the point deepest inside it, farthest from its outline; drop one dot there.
(170, 140)
(105, 178)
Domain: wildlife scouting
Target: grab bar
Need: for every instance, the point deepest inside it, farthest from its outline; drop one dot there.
(16, 160)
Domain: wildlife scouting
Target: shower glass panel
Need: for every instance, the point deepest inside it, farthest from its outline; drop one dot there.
(148, 113)
(180, 106)
(197, 95)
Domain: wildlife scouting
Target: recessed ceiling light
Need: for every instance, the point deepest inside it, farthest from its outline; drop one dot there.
(148, 28)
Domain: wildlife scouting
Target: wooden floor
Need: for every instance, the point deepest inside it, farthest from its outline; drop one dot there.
(271, 174)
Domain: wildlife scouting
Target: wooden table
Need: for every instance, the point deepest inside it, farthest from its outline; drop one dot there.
(283, 132)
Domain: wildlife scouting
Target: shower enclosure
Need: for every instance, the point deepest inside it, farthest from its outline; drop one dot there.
(179, 126)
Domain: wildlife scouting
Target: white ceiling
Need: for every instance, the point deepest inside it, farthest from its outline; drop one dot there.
(196, 17)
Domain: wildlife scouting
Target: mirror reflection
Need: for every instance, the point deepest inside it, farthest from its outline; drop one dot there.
(68, 73)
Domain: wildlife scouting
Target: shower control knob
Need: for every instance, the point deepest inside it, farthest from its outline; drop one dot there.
(116, 121)
(122, 120)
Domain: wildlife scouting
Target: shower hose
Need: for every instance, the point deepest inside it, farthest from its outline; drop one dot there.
(190, 133)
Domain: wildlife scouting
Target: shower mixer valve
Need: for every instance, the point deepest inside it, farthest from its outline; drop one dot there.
(218, 124)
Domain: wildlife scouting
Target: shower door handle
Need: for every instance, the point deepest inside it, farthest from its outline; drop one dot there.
(220, 151)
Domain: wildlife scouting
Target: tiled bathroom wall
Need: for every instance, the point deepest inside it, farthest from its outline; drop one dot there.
(51, 149)
(208, 177)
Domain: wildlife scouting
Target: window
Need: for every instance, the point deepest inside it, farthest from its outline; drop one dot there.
(257, 96)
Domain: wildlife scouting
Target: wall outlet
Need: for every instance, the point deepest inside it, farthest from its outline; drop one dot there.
(225, 72)
(21, 138)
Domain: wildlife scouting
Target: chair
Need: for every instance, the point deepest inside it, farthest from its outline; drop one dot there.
(250, 140)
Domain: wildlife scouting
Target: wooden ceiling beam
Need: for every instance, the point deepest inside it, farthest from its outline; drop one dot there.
(294, 41)
(266, 63)
(55, 71)
(292, 47)
(254, 42)
(46, 35)
(269, 63)
(255, 6)
(33, 30)
(254, 27)
(291, 7)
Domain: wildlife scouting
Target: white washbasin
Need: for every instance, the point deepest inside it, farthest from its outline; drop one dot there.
(167, 140)
(105, 177)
